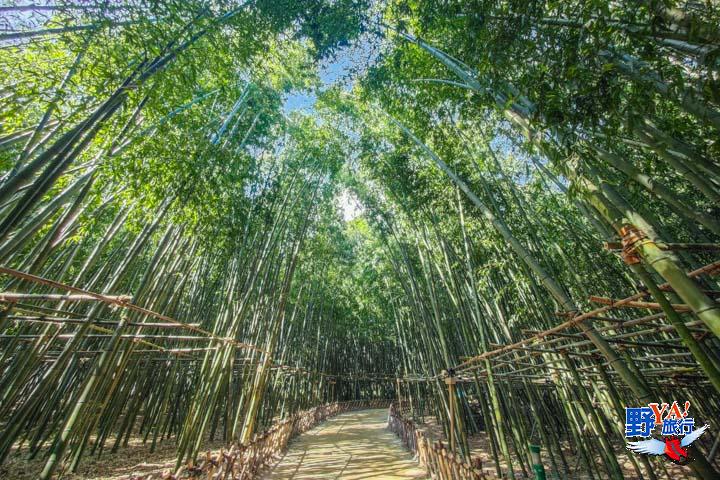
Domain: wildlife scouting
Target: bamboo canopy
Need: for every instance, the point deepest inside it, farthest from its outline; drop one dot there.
(229, 220)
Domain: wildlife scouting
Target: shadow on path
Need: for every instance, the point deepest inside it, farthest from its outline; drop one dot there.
(353, 446)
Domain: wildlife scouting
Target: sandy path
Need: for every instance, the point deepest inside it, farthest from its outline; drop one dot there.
(353, 445)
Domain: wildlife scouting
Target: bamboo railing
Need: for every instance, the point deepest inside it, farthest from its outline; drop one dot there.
(550, 340)
(438, 461)
(245, 461)
(13, 299)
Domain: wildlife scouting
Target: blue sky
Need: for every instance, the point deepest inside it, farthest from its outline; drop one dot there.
(338, 70)
(359, 55)
(330, 73)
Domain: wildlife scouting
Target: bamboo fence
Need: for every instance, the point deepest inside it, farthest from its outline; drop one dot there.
(433, 455)
(245, 461)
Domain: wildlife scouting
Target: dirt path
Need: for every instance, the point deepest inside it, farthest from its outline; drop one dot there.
(353, 445)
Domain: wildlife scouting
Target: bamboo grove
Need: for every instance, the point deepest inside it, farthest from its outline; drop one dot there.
(539, 216)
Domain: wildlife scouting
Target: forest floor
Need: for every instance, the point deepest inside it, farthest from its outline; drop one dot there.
(355, 445)
(480, 448)
(129, 462)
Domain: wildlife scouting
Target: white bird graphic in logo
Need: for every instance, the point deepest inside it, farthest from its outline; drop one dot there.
(673, 447)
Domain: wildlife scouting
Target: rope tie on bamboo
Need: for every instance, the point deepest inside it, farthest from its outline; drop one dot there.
(632, 238)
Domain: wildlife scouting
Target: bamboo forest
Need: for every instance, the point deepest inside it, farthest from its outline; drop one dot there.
(359, 239)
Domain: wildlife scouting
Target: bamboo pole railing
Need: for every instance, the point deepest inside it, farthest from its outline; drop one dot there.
(123, 301)
(246, 461)
(439, 462)
(540, 338)
(119, 301)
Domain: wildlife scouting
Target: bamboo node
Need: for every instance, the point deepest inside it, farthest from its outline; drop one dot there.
(631, 239)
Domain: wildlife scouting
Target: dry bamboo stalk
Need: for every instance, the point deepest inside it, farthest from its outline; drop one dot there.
(636, 304)
(124, 304)
(11, 297)
(712, 267)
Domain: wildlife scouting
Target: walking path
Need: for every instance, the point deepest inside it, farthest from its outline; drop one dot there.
(354, 446)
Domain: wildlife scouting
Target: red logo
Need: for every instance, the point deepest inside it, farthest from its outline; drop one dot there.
(674, 450)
